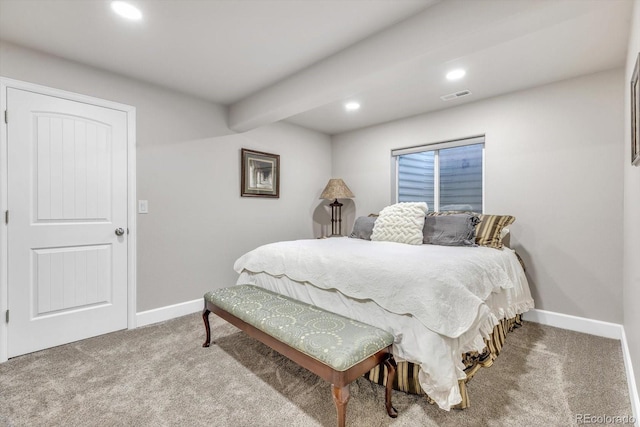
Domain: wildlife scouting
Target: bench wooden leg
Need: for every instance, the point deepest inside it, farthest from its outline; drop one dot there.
(390, 363)
(205, 318)
(341, 397)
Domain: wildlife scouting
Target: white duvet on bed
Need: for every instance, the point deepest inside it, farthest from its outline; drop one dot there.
(437, 301)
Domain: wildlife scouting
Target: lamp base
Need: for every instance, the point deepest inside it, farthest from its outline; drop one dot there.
(336, 218)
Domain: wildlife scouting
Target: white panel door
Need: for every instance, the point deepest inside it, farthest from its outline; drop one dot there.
(67, 196)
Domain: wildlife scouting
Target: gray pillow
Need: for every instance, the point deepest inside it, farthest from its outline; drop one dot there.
(450, 230)
(363, 228)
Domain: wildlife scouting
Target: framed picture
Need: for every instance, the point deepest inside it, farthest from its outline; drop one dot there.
(260, 174)
(635, 115)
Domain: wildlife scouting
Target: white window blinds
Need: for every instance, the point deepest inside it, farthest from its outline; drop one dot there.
(447, 176)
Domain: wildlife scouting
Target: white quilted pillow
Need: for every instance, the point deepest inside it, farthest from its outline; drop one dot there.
(400, 223)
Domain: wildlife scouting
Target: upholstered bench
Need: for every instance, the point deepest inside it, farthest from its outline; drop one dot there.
(335, 348)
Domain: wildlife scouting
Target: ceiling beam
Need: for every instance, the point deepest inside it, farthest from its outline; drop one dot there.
(443, 32)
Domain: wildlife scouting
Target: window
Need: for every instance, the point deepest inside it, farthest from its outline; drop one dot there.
(447, 176)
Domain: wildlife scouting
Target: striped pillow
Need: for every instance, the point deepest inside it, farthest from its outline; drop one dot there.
(489, 229)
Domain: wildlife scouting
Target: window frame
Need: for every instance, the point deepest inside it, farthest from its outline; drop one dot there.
(436, 146)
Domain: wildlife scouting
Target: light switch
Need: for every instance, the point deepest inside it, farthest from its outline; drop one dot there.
(143, 206)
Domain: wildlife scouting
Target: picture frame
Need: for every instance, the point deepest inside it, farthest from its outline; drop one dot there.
(260, 174)
(635, 114)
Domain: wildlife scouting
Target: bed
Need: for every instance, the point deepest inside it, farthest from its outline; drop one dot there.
(448, 307)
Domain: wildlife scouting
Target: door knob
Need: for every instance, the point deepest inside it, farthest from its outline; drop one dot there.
(119, 231)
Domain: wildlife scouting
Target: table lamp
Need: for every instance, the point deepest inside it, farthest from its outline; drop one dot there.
(336, 189)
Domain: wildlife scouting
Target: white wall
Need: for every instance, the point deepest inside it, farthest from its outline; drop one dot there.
(188, 168)
(553, 157)
(631, 288)
(199, 225)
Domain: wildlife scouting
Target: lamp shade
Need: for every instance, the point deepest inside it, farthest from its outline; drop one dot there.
(336, 189)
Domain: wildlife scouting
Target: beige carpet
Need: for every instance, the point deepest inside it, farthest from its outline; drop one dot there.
(161, 376)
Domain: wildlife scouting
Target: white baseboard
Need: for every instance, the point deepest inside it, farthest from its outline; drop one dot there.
(593, 327)
(574, 323)
(169, 312)
(631, 379)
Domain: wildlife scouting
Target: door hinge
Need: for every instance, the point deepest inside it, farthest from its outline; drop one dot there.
(6, 217)
(6, 116)
(6, 316)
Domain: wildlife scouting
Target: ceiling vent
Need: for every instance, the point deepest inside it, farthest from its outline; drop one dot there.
(455, 95)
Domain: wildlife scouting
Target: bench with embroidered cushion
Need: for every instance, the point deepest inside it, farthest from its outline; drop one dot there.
(335, 348)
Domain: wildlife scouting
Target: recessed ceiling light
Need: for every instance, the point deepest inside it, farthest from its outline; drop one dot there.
(456, 74)
(352, 106)
(126, 10)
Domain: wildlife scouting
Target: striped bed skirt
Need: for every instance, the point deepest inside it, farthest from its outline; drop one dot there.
(407, 373)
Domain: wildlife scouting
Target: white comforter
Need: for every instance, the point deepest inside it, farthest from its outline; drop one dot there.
(437, 301)
(440, 286)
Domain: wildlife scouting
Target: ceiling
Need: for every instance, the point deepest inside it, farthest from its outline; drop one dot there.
(299, 61)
